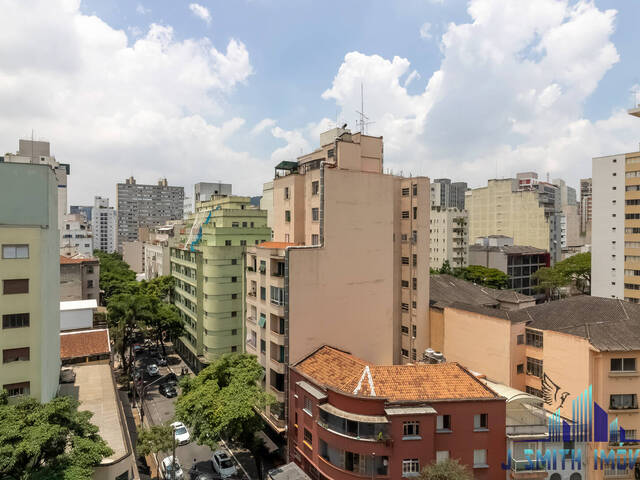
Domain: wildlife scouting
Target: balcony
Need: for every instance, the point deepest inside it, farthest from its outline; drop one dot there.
(520, 469)
(252, 294)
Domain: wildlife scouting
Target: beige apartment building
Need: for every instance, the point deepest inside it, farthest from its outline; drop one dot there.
(616, 215)
(29, 281)
(449, 233)
(349, 264)
(79, 278)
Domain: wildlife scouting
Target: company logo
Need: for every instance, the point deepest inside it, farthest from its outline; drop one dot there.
(589, 424)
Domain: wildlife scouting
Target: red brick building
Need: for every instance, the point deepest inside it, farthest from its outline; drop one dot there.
(351, 419)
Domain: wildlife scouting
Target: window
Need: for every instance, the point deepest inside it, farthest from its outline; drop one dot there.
(415, 213)
(308, 438)
(405, 260)
(10, 287)
(405, 283)
(244, 224)
(442, 456)
(263, 346)
(315, 239)
(534, 338)
(234, 331)
(15, 251)
(405, 307)
(414, 329)
(405, 214)
(520, 368)
(623, 401)
(534, 391)
(234, 261)
(405, 330)
(413, 354)
(234, 279)
(286, 192)
(308, 406)
(315, 187)
(15, 355)
(415, 283)
(410, 467)
(15, 320)
(227, 243)
(287, 215)
(17, 389)
(534, 367)
(623, 364)
(405, 353)
(235, 224)
(415, 260)
(443, 423)
(243, 242)
(263, 293)
(405, 192)
(480, 458)
(415, 189)
(89, 283)
(481, 421)
(315, 214)
(234, 314)
(411, 429)
(277, 295)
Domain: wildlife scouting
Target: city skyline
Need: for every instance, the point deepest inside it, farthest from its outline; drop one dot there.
(244, 104)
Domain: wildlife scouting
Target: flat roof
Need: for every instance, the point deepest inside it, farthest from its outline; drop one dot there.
(95, 390)
(78, 304)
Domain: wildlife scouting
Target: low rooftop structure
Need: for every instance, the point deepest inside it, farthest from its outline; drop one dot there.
(290, 471)
(85, 346)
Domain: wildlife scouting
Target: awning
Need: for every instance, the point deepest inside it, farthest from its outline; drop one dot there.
(262, 321)
(353, 416)
(314, 392)
(409, 410)
(268, 443)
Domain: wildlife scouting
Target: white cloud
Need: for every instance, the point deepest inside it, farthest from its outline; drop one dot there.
(142, 10)
(411, 77)
(112, 106)
(200, 11)
(262, 125)
(425, 30)
(510, 89)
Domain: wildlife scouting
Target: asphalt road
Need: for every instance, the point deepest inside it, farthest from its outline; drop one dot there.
(161, 409)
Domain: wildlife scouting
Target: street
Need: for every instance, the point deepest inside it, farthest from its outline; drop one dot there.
(160, 409)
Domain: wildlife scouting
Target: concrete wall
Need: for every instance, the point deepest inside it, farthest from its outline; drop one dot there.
(607, 273)
(133, 254)
(76, 319)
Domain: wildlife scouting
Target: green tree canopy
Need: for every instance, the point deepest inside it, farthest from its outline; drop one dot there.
(115, 275)
(577, 268)
(551, 279)
(221, 400)
(446, 470)
(48, 441)
(157, 438)
(445, 268)
(488, 277)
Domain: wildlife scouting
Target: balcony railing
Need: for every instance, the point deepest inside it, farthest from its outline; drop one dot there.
(522, 465)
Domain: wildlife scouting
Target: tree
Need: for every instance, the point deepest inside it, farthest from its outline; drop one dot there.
(488, 277)
(158, 438)
(577, 268)
(165, 320)
(550, 279)
(115, 275)
(221, 400)
(445, 269)
(48, 440)
(160, 287)
(446, 470)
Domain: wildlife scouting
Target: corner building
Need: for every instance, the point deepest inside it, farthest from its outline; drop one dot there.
(348, 265)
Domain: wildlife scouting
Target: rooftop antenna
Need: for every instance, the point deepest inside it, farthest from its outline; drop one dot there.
(364, 120)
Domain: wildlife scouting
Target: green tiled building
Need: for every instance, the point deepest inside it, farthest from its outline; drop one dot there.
(207, 262)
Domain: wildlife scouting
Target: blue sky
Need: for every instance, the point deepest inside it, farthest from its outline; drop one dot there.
(155, 90)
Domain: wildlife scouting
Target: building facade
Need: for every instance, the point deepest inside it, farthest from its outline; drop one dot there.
(616, 212)
(352, 419)
(79, 278)
(133, 255)
(447, 194)
(586, 206)
(146, 206)
(104, 225)
(156, 249)
(517, 209)
(76, 236)
(449, 237)
(266, 202)
(30, 281)
(207, 261)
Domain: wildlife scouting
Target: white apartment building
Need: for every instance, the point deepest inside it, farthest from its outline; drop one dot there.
(266, 203)
(104, 224)
(615, 271)
(77, 237)
(449, 233)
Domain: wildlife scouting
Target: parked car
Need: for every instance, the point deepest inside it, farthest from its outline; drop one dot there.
(162, 361)
(168, 390)
(67, 375)
(167, 468)
(181, 433)
(138, 348)
(153, 370)
(223, 464)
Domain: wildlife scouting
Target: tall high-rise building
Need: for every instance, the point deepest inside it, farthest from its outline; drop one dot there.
(570, 216)
(449, 234)
(29, 280)
(77, 237)
(84, 210)
(448, 194)
(349, 264)
(521, 208)
(615, 271)
(205, 191)
(38, 152)
(586, 206)
(104, 225)
(146, 206)
(207, 261)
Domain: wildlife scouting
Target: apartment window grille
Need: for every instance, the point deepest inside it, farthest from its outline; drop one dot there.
(624, 401)
(405, 192)
(286, 192)
(315, 239)
(308, 406)
(405, 307)
(414, 355)
(15, 251)
(405, 214)
(534, 367)
(415, 283)
(415, 189)
(414, 331)
(534, 391)
(15, 320)
(534, 338)
(315, 214)
(415, 260)
(415, 213)
(405, 260)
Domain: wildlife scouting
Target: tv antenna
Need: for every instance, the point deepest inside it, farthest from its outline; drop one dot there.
(364, 120)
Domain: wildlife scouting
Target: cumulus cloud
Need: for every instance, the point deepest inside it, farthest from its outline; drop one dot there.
(142, 10)
(510, 90)
(200, 11)
(425, 31)
(112, 107)
(262, 125)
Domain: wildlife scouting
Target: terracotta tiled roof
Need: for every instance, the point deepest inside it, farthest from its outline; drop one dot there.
(276, 244)
(333, 368)
(84, 343)
(70, 260)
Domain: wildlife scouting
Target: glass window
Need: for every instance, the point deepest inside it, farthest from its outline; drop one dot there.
(15, 320)
(308, 406)
(480, 421)
(480, 458)
(623, 364)
(315, 187)
(315, 214)
(623, 401)
(443, 422)
(534, 338)
(308, 438)
(287, 215)
(442, 455)
(534, 367)
(15, 251)
(410, 467)
(411, 428)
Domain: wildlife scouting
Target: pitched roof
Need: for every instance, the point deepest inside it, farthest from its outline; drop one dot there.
(71, 260)
(509, 249)
(276, 244)
(342, 371)
(84, 343)
(512, 296)
(446, 289)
